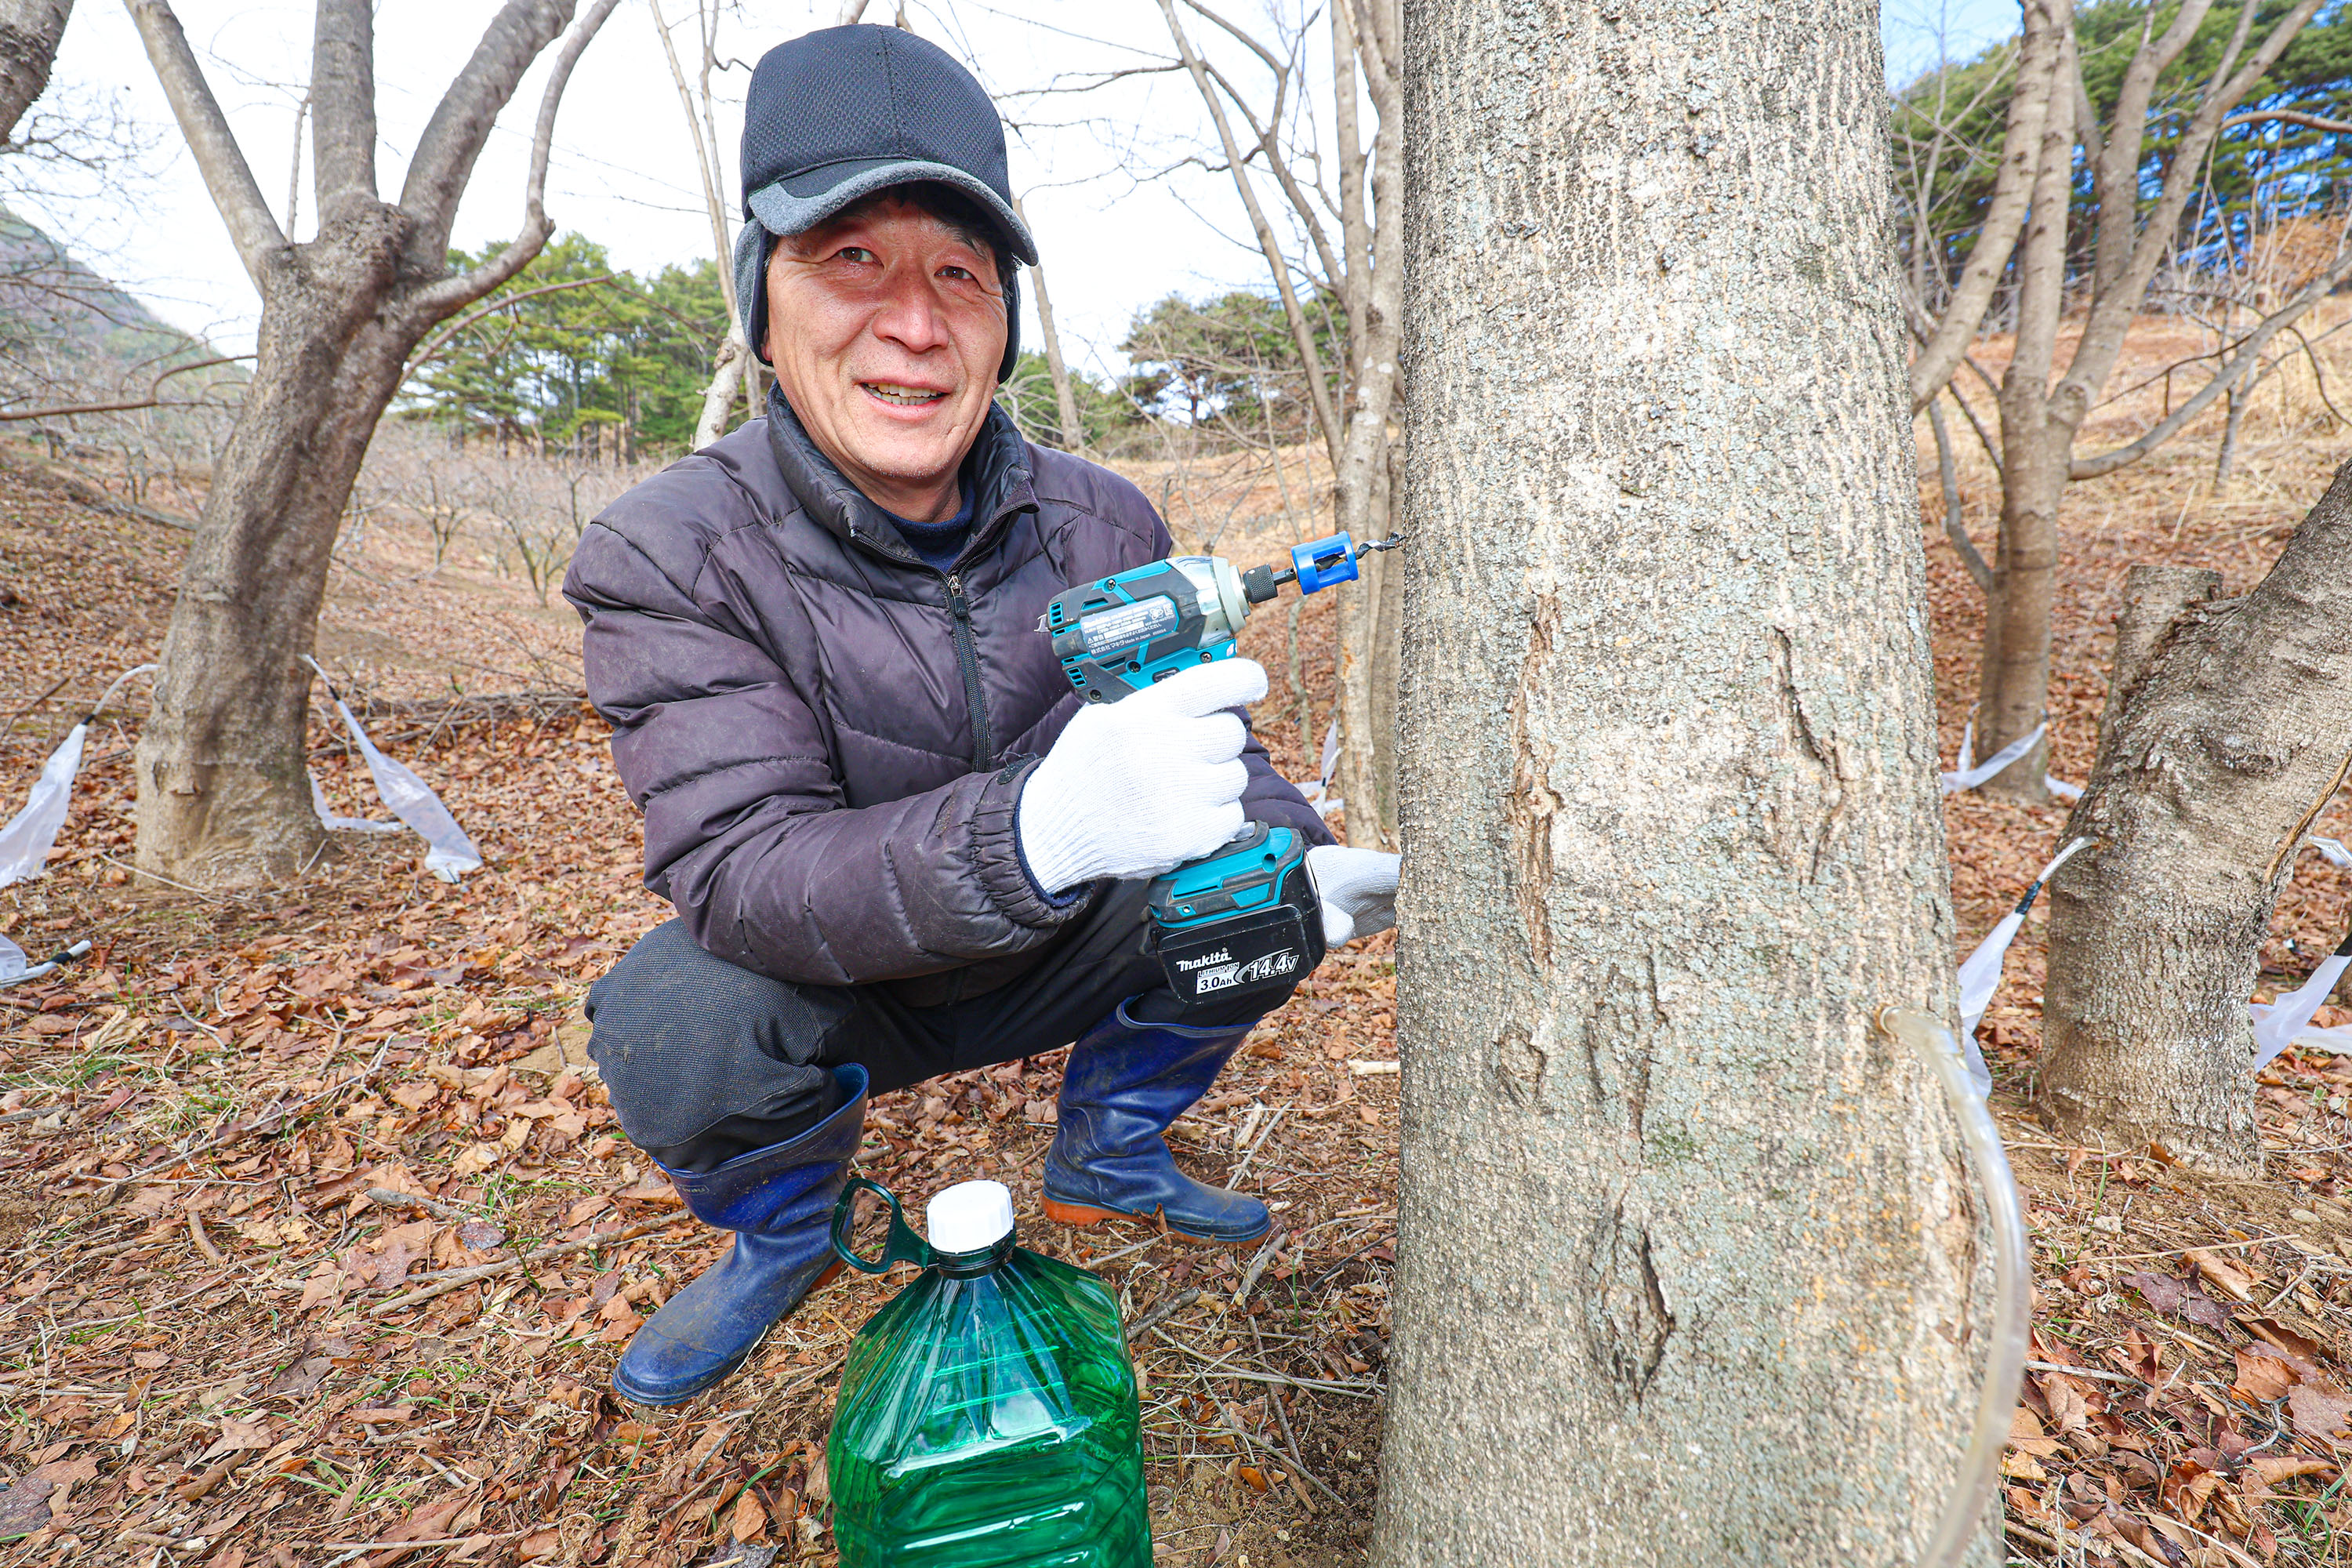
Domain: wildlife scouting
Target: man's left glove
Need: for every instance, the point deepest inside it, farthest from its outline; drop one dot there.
(1357, 888)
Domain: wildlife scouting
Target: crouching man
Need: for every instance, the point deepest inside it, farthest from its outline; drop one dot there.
(897, 846)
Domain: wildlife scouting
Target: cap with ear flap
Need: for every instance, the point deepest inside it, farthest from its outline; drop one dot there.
(837, 114)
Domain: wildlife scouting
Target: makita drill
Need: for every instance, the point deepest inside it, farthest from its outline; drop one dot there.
(1244, 918)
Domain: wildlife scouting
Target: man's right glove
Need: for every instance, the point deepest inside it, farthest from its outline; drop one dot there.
(1357, 888)
(1135, 788)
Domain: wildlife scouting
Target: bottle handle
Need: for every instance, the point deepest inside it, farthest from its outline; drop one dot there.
(901, 1246)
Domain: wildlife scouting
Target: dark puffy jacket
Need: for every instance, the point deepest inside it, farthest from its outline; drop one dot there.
(828, 736)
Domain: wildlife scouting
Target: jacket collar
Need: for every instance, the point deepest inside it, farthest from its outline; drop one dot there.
(997, 467)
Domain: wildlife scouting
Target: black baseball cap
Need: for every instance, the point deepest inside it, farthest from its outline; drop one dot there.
(835, 115)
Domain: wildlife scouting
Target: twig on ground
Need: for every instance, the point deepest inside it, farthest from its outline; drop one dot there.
(449, 1279)
(1265, 1255)
(1161, 1310)
(433, 1206)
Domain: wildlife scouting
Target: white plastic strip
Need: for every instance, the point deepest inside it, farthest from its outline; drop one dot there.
(2332, 850)
(2335, 1042)
(1318, 794)
(2276, 1023)
(1980, 975)
(25, 843)
(326, 815)
(2061, 788)
(13, 962)
(1966, 777)
(449, 854)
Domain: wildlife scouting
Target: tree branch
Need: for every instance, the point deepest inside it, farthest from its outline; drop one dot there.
(706, 159)
(2249, 350)
(2289, 117)
(2040, 62)
(1279, 167)
(1318, 391)
(230, 181)
(851, 10)
(440, 340)
(461, 122)
(2116, 303)
(455, 293)
(1955, 529)
(150, 401)
(343, 107)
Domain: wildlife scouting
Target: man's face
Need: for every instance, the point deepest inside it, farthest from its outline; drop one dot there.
(887, 328)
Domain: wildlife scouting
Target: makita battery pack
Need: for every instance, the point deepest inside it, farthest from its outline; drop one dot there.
(1242, 921)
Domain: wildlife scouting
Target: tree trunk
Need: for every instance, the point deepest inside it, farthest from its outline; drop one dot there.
(2233, 740)
(29, 31)
(2154, 598)
(2238, 396)
(2013, 671)
(224, 797)
(1369, 635)
(1686, 1253)
(726, 371)
(2037, 443)
(1066, 402)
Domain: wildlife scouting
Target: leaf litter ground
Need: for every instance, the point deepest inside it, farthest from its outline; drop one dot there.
(323, 1238)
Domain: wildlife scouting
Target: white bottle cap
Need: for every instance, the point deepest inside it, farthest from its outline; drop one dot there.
(969, 1216)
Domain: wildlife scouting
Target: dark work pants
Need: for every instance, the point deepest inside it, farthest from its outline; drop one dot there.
(704, 1062)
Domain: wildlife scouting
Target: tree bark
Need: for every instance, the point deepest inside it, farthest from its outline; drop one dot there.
(2154, 597)
(2232, 741)
(29, 31)
(1687, 1255)
(1371, 619)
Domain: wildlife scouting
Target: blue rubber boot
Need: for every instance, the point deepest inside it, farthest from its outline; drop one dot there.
(1124, 1084)
(779, 1203)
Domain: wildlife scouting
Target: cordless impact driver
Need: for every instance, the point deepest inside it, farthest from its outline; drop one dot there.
(1244, 918)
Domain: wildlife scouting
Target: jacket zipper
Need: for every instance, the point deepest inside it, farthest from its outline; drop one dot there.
(983, 752)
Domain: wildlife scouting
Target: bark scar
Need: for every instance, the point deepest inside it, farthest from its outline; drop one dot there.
(1820, 751)
(1620, 1037)
(1626, 1320)
(1533, 802)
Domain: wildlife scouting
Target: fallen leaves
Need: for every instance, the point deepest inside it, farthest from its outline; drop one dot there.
(2223, 1274)
(2179, 1298)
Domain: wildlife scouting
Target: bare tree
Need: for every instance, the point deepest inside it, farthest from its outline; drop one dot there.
(734, 369)
(1351, 251)
(222, 795)
(1066, 402)
(2226, 733)
(731, 365)
(1685, 1255)
(29, 31)
(2126, 236)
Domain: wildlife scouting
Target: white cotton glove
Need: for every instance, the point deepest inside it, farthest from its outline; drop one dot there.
(1137, 786)
(1357, 888)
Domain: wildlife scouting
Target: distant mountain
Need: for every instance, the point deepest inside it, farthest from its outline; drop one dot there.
(67, 334)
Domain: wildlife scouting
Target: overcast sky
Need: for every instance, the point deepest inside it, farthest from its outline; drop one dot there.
(1121, 219)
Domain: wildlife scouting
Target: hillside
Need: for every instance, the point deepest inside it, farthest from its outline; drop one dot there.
(245, 1143)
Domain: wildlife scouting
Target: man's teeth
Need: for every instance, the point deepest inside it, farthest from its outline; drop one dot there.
(902, 395)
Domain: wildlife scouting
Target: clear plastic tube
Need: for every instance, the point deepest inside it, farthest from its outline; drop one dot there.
(1964, 1511)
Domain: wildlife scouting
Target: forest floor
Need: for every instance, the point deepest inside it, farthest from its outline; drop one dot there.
(218, 1347)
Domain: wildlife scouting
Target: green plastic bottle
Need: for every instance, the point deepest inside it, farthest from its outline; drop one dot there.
(988, 1415)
